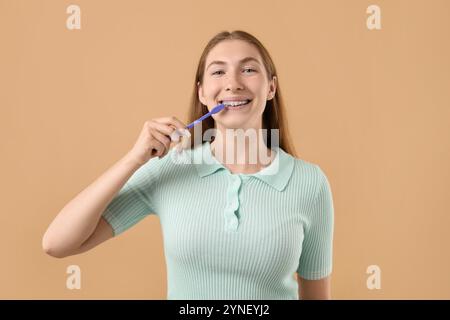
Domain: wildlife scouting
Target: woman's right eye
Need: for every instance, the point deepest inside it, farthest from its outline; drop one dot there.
(216, 72)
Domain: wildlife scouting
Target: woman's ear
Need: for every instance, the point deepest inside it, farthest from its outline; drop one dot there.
(272, 88)
(200, 93)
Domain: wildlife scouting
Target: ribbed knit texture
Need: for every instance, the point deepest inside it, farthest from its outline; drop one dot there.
(233, 236)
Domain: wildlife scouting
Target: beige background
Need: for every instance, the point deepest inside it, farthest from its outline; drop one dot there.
(370, 107)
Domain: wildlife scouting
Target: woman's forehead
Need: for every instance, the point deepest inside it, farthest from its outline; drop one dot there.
(233, 51)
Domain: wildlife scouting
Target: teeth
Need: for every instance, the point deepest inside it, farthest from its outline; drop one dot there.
(235, 103)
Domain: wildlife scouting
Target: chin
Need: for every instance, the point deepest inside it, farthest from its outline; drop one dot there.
(237, 123)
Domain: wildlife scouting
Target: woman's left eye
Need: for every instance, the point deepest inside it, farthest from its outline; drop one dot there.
(218, 72)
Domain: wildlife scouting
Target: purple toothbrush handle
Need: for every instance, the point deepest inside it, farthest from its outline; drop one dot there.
(213, 111)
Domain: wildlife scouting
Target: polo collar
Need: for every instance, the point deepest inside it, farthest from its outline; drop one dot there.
(276, 175)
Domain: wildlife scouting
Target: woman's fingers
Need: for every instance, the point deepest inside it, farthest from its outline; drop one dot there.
(174, 121)
(163, 139)
(156, 138)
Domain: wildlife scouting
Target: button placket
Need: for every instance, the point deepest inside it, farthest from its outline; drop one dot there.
(231, 219)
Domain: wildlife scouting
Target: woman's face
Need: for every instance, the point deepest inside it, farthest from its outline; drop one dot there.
(234, 71)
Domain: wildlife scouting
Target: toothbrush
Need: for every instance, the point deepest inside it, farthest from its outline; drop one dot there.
(175, 135)
(216, 109)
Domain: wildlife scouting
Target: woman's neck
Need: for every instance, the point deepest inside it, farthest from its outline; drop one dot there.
(242, 151)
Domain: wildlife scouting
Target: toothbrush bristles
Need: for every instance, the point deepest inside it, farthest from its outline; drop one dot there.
(217, 108)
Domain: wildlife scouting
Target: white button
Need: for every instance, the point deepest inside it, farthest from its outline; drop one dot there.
(233, 223)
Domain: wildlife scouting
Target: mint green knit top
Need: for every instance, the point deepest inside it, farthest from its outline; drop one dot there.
(232, 236)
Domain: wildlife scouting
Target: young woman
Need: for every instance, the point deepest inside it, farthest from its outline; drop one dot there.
(235, 229)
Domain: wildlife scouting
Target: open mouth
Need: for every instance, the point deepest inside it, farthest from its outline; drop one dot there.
(235, 105)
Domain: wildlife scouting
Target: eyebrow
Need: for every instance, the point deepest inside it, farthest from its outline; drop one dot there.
(246, 59)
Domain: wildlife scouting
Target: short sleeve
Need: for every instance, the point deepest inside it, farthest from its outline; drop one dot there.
(136, 199)
(317, 248)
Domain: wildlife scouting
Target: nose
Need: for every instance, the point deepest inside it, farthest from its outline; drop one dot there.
(234, 83)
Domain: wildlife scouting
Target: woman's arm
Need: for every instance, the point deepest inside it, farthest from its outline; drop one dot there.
(102, 232)
(314, 289)
(78, 226)
(72, 230)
